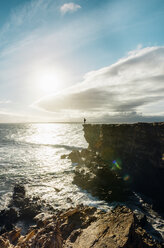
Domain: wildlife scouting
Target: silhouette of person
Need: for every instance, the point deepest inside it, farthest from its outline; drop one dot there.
(84, 120)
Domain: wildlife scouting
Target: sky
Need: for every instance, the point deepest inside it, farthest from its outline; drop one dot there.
(64, 60)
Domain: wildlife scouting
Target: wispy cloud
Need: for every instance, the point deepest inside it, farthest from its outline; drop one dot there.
(131, 87)
(12, 117)
(25, 18)
(69, 7)
(5, 101)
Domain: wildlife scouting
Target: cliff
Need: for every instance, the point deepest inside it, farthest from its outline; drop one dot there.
(122, 158)
(131, 143)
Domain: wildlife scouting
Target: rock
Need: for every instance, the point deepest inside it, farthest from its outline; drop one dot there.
(20, 208)
(5, 243)
(57, 190)
(101, 182)
(64, 156)
(30, 211)
(28, 207)
(8, 215)
(95, 176)
(69, 200)
(19, 193)
(83, 227)
(122, 158)
(42, 218)
(14, 235)
(75, 157)
(19, 189)
(117, 229)
(8, 218)
(143, 221)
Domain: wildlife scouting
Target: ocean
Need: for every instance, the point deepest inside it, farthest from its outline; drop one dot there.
(31, 154)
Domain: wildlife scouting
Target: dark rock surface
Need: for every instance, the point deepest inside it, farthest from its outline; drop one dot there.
(122, 158)
(82, 227)
(95, 176)
(8, 217)
(21, 207)
(28, 207)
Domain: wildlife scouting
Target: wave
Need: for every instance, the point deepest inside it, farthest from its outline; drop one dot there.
(12, 142)
(67, 147)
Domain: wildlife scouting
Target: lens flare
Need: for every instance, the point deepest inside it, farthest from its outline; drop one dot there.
(116, 165)
(126, 177)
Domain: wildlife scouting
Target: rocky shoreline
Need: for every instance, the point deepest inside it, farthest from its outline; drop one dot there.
(120, 160)
(73, 228)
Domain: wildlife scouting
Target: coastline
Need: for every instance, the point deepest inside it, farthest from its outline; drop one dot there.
(74, 227)
(82, 226)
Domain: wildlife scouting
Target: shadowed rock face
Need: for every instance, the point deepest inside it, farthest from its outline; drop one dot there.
(96, 176)
(121, 159)
(83, 227)
(140, 141)
(135, 151)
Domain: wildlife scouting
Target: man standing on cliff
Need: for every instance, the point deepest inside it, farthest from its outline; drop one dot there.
(84, 120)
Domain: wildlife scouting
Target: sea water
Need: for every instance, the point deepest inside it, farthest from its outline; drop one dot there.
(31, 154)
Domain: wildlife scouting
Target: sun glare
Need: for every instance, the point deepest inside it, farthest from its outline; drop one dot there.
(48, 80)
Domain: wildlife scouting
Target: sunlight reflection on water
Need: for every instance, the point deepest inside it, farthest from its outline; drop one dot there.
(44, 134)
(31, 154)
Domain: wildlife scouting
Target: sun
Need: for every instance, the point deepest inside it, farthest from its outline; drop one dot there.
(49, 80)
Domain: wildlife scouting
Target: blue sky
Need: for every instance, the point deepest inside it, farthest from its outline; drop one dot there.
(57, 59)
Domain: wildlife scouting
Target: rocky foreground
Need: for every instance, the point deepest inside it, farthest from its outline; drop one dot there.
(78, 227)
(82, 227)
(75, 228)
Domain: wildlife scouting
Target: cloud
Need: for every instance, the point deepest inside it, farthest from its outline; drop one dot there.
(128, 118)
(5, 101)
(135, 84)
(69, 7)
(6, 116)
(24, 18)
